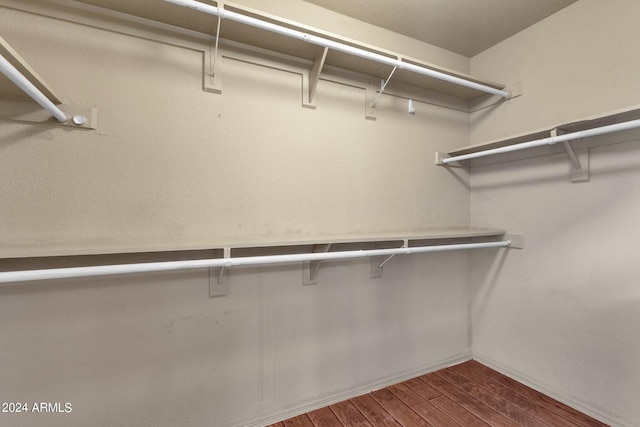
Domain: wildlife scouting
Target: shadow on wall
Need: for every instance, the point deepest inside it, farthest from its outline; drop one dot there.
(460, 177)
(485, 272)
(22, 133)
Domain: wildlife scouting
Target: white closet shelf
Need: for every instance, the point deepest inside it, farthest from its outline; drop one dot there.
(246, 243)
(74, 267)
(193, 20)
(436, 234)
(266, 40)
(611, 119)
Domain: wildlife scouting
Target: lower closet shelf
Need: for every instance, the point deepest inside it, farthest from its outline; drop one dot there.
(322, 250)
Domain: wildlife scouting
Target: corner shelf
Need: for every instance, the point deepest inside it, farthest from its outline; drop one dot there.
(543, 142)
(613, 117)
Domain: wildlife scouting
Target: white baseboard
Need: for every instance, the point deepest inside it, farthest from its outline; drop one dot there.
(526, 380)
(358, 391)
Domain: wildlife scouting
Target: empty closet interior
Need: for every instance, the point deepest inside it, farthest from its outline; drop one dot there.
(232, 213)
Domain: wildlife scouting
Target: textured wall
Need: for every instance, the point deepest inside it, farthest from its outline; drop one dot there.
(576, 63)
(155, 350)
(172, 166)
(561, 313)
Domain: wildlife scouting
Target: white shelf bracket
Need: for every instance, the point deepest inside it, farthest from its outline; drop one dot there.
(516, 240)
(405, 244)
(440, 156)
(579, 160)
(515, 90)
(21, 110)
(218, 287)
(383, 85)
(377, 263)
(215, 50)
(370, 92)
(212, 76)
(310, 81)
(310, 268)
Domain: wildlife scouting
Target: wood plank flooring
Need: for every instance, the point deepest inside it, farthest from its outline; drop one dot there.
(469, 394)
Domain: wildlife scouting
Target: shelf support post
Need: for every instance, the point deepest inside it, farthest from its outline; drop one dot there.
(310, 268)
(314, 77)
(516, 240)
(212, 78)
(377, 263)
(579, 169)
(383, 85)
(405, 244)
(217, 287)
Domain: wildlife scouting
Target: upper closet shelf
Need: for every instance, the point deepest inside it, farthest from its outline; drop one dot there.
(254, 28)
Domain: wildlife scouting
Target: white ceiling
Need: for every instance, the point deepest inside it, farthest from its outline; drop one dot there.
(464, 26)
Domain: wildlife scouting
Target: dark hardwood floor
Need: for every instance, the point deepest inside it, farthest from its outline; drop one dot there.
(469, 394)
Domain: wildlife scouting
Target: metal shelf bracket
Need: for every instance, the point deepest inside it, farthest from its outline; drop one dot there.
(310, 79)
(579, 159)
(383, 85)
(310, 268)
(377, 263)
(218, 287)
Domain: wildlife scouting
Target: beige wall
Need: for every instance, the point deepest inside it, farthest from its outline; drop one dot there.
(173, 166)
(576, 63)
(562, 314)
(155, 350)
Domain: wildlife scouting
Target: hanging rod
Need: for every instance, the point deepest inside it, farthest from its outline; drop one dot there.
(274, 28)
(23, 83)
(551, 140)
(106, 270)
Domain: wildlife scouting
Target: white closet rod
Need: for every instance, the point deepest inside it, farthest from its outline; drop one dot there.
(633, 124)
(105, 270)
(23, 83)
(233, 16)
